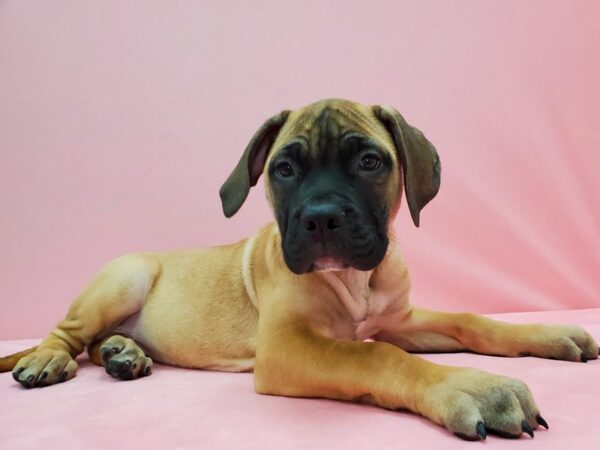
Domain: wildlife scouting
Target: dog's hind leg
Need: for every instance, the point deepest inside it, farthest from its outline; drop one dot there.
(118, 291)
(121, 356)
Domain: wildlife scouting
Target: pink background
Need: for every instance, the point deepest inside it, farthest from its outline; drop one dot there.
(120, 120)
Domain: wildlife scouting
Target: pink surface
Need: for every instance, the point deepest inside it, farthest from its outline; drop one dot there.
(179, 408)
(120, 120)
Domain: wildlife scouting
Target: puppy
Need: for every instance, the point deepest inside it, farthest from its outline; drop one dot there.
(295, 302)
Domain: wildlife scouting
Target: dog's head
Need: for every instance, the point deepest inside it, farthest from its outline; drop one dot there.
(333, 175)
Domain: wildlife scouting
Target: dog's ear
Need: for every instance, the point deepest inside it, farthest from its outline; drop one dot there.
(251, 165)
(420, 162)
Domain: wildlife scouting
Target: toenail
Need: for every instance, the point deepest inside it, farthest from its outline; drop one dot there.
(540, 420)
(17, 373)
(105, 353)
(480, 428)
(115, 349)
(63, 377)
(526, 428)
(147, 371)
(43, 376)
(134, 366)
(30, 378)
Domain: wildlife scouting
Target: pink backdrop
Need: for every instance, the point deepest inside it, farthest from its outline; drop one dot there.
(120, 120)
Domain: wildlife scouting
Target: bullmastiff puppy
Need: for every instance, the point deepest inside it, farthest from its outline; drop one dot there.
(296, 301)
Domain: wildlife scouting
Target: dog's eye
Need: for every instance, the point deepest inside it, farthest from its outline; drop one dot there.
(369, 162)
(284, 170)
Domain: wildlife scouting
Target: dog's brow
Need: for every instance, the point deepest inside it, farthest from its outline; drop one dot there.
(349, 134)
(352, 137)
(294, 149)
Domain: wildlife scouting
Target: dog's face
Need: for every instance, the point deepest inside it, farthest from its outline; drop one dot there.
(332, 178)
(333, 173)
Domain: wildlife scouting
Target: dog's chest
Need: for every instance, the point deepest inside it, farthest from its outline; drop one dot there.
(377, 307)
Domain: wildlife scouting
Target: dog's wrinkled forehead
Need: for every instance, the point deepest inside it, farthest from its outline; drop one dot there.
(321, 126)
(321, 131)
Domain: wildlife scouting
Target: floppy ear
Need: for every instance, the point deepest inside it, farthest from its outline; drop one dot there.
(250, 167)
(420, 161)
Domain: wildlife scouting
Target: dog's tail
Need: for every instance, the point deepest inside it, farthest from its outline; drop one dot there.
(9, 362)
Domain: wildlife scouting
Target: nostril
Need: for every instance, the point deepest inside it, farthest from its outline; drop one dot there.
(322, 217)
(310, 225)
(333, 223)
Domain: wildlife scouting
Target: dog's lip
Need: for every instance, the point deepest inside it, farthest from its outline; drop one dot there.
(328, 264)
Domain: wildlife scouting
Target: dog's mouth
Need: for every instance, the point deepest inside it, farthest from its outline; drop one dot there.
(315, 257)
(328, 264)
(303, 257)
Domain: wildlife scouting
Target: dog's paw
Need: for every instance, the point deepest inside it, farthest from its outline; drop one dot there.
(124, 359)
(44, 367)
(566, 342)
(472, 403)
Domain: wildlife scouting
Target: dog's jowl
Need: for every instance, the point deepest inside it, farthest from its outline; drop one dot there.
(296, 301)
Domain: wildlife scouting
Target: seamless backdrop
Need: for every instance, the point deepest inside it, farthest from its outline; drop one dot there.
(120, 120)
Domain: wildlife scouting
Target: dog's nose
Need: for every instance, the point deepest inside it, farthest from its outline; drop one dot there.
(322, 218)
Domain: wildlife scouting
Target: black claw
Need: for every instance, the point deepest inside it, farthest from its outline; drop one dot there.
(40, 381)
(115, 350)
(526, 428)
(63, 377)
(542, 421)
(17, 373)
(147, 370)
(481, 430)
(584, 359)
(106, 353)
(466, 437)
(480, 436)
(28, 382)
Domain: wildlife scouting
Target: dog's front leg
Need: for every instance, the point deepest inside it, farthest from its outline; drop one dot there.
(430, 331)
(294, 360)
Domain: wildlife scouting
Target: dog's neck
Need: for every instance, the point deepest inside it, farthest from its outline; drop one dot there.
(362, 293)
(369, 293)
(352, 289)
